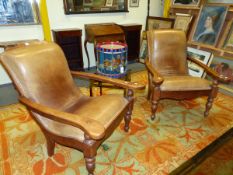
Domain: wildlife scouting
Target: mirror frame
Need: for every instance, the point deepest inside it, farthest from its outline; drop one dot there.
(69, 9)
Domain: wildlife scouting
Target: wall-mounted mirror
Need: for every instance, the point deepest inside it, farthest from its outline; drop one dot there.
(95, 6)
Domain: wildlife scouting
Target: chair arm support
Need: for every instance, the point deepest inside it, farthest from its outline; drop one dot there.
(209, 71)
(157, 78)
(89, 126)
(114, 81)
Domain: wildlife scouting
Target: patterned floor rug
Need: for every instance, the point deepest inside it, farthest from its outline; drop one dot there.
(150, 148)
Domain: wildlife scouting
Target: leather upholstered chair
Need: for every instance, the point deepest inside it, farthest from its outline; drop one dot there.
(168, 71)
(41, 75)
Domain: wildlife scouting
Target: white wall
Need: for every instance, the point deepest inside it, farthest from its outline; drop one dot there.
(58, 20)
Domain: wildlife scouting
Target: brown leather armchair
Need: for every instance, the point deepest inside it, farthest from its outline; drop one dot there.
(40, 73)
(168, 71)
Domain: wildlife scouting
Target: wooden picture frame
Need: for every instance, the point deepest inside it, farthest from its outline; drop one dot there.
(202, 56)
(134, 3)
(224, 67)
(183, 21)
(18, 13)
(185, 3)
(153, 22)
(209, 24)
(228, 42)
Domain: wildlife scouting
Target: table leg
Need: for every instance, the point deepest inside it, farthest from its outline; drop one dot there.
(88, 59)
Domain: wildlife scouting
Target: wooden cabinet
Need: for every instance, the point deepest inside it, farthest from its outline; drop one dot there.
(70, 42)
(132, 36)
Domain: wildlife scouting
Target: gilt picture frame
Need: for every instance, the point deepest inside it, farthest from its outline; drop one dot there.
(24, 12)
(153, 23)
(183, 21)
(202, 56)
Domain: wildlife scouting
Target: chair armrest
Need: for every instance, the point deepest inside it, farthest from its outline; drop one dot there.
(209, 71)
(157, 78)
(93, 128)
(114, 81)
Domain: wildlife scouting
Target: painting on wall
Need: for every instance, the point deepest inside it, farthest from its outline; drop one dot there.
(23, 12)
(210, 22)
(224, 67)
(188, 3)
(200, 55)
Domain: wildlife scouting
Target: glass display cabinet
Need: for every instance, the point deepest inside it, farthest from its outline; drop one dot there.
(95, 6)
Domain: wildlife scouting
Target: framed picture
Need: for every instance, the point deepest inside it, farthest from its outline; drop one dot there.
(87, 2)
(224, 67)
(228, 44)
(24, 12)
(159, 23)
(209, 25)
(109, 3)
(134, 3)
(220, 1)
(143, 51)
(182, 21)
(200, 55)
(185, 3)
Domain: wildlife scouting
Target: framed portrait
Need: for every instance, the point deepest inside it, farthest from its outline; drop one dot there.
(134, 3)
(109, 3)
(159, 23)
(182, 21)
(143, 51)
(209, 25)
(220, 1)
(24, 12)
(200, 55)
(228, 44)
(185, 3)
(224, 67)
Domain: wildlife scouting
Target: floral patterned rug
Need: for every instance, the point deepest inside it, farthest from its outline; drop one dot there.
(151, 147)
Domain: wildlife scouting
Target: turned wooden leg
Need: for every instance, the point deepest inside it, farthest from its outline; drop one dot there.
(149, 88)
(154, 107)
(211, 97)
(90, 165)
(50, 146)
(208, 106)
(89, 152)
(155, 101)
(127, 117)
(90, 88)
